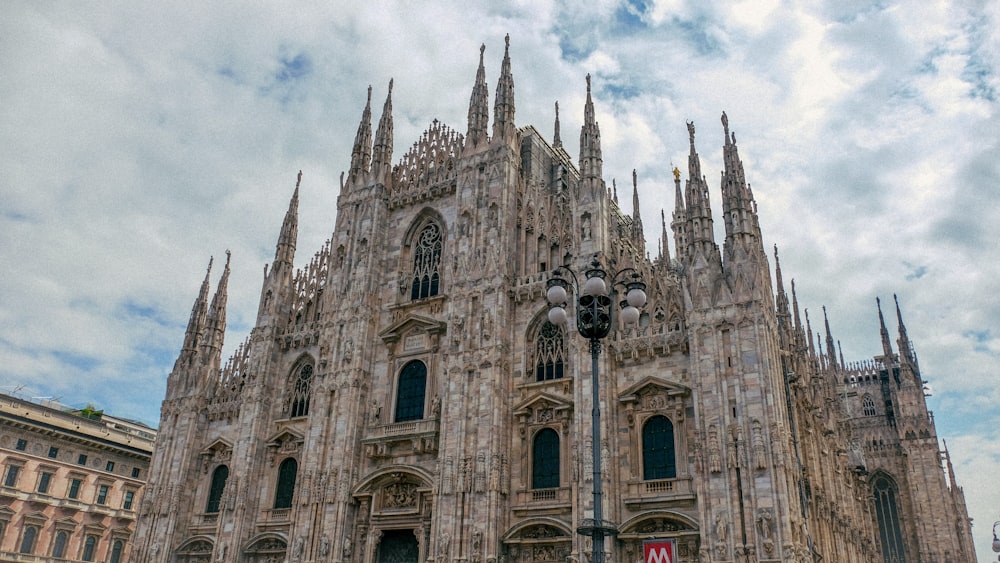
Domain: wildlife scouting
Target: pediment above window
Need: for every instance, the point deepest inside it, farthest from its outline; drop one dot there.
(541, 410)
(415, 332)
(285, 442)
(219, 451)
(652, 394)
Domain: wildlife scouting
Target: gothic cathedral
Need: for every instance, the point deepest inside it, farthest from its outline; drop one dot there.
(404, 397)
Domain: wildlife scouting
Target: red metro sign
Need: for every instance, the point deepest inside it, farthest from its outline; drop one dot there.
(659, 551)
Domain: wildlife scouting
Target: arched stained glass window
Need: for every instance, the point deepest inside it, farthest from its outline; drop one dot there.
(28, 539)
(868, 406)
(411, 392)
(549, 350)
(219, 477)
(300, 393)
(658, 459)
(545, 460)
(59, 545)
(286, 483)
(426, 259)
(887, 514)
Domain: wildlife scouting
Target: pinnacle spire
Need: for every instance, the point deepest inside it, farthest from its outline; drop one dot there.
(664, 239)
(699, 228)
(284, 252)
(905, 348)
(556, 140)
(739, 210)
(361, 155)
(591, 159)
(479, 107)
(831, 353)
(199, 312)
(886, 345)
(216, 317)
(638, 234)
(503, 105)
(782, 298)
(679, 219)
(382, 150)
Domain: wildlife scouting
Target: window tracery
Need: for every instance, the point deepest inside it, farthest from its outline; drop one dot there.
(426, 261)
(299, 404)
(868, 406)
(549, 353)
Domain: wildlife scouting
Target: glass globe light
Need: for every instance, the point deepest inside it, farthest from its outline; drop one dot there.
(630, 315)
(595, 286)
(557, 316)
(636, 297)
(556, 295)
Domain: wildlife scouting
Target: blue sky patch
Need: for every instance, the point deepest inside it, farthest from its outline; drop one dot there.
(79, 361)
(294, 68)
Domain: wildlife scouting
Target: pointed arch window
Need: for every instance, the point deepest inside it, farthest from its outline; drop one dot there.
(545, 460)
(887, 514)
(28, 539)
(411, 393)
(549, 353)
(59, 545)
(868, 406)
(219, 477)
(299, 405)
(658, 456)
(426, 259)
(286, 483)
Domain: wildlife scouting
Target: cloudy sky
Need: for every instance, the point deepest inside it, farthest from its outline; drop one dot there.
(140, 139)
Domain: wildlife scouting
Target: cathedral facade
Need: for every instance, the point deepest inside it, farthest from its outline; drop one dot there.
(403, 396)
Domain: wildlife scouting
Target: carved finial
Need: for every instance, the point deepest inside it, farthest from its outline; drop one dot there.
(635, 180)
(369, 93)
(690, 125)
(725, 123)
(482, 49)
(588, 82)
(390, 85)
(506, 41)
(297, 182)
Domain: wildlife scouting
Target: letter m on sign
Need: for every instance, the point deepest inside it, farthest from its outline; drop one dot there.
(658, 551)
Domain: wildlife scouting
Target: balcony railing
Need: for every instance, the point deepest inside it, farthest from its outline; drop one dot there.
(659, 491)
(543, 498)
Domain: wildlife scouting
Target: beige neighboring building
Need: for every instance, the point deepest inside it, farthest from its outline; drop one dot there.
(71, 482)
(404, 398)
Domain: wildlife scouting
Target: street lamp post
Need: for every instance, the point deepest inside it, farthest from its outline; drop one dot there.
(594, 312)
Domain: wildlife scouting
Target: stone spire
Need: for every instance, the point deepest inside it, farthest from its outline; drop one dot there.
(503, 105)
(782, 297)
(831, 352)
(361, 155)
(664, 239)
(479, 108)
(199, 313)
(591, 161)
(215, 326)
(699, 228)
(382, 151)
(797, 317)
(638, 236)
(886, 345)
(905, 348)
(284, 252)
(679, 219)
(556, 140)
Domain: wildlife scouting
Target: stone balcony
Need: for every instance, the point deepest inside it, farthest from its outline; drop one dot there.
(543, 501)
(658, 493)
(402, 438)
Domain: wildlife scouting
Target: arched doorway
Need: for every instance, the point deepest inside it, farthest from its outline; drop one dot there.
(398, 546)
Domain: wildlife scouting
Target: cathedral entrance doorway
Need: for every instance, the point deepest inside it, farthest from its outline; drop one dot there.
(398, 546)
